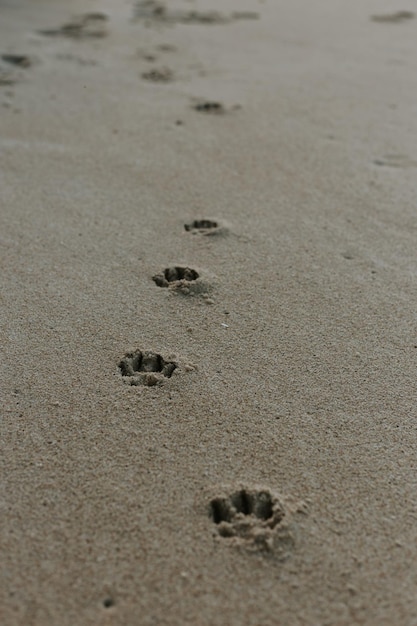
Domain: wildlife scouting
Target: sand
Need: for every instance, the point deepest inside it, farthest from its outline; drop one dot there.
(208, 326)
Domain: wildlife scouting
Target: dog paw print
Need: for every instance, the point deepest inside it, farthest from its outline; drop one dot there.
(158, 12)
(18, 60)
(181, 278)
(87, 26)
(394, 18)
(143, 367)
(254, 518)
(159, 75)
(213, 107)
(207, 227)
(395, 160)
(209, 106)
(10, 66)
(186, 281)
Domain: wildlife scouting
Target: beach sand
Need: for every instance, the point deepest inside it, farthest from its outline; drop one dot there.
(234, 442)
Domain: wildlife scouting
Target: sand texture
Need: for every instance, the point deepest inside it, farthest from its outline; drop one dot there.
(208, 236)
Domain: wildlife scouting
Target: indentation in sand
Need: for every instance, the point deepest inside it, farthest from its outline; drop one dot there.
(186, 281)
(209, 106)
(253, 518)
(174, 275)
(395, 160)
(394, 18)
(203, 227)
(89, 25)
(158, 11)
(143, 367)
(19, 60)
(161, 75)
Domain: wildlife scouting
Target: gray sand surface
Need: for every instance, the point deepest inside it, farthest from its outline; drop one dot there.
(295, 349)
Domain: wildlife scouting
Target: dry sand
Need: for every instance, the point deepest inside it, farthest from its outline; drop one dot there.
(270, 478)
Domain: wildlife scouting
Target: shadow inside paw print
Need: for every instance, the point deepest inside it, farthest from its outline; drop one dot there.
(254, 518)
(200, 225)
(146, 368)
(259, 504)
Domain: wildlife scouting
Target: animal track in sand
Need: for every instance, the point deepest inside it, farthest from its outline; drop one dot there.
(201, 226)
(395, 160)
(157, 11)
(90, 25)
(253, 518)
(213, 107)
(186, 281)
(209, 106)
(143, 367)
(259, 504)
(19, 60)
(394, 18)
(207, 227)
(175, 276)
(161, 75)
(10, 64)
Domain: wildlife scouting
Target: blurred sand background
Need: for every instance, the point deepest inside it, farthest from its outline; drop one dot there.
(297, 355)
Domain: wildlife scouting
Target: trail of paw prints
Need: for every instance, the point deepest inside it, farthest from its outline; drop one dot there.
(256, 519)
(393, 18)
(87, 26)
(155, 11)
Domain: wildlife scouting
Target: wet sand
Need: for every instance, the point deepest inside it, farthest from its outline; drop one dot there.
(208, 328)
